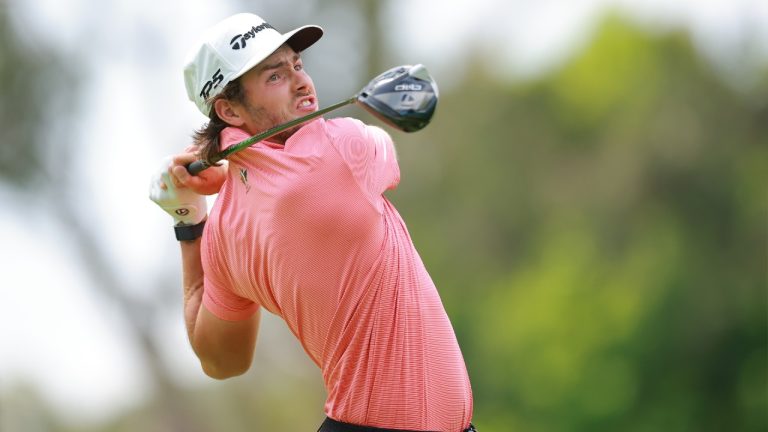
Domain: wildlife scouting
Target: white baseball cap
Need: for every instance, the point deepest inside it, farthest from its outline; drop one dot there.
(231, 48)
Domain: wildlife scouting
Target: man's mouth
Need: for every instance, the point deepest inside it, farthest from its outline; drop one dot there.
(306, 102)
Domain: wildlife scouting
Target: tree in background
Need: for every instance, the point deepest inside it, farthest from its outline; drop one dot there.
(40, 99)
(599, 236)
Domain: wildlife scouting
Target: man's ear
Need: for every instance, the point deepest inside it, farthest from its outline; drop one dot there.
(226, 111)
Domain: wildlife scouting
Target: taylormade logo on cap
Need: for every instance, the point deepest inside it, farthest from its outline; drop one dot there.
(231, 48)
(239, 41)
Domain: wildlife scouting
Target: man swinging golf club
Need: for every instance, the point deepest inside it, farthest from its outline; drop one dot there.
(301, 228)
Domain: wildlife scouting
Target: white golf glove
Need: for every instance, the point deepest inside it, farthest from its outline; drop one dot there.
(185, 206)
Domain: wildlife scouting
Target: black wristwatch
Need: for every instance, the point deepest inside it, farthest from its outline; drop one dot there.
(189, 232)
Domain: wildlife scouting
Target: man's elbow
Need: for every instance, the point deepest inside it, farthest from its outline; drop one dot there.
(223, 371)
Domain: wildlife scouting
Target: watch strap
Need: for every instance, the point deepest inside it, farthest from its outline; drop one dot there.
(189, 232)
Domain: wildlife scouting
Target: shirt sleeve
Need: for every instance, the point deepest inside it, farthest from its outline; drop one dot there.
(226, 305)
(218, 295)
(369, 152)
(383, 160)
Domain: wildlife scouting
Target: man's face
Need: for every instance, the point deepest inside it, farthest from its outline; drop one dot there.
(277, 90)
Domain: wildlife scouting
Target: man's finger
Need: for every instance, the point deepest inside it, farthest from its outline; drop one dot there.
(184, 159)
(182, 178)
(180, 175)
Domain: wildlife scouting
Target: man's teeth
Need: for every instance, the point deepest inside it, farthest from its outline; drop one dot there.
(306, 103)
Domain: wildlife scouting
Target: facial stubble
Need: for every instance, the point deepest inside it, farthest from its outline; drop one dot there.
(261, 114)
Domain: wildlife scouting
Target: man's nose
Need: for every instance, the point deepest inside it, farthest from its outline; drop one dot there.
(300, 80)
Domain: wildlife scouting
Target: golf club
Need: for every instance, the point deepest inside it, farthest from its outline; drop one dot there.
(403, 97)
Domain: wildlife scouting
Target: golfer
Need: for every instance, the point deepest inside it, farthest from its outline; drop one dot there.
(301, 228)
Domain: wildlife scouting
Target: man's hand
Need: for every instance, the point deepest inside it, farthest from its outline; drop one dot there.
(183, 204)
(207, 182)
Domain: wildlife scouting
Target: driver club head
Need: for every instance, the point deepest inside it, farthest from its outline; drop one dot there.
(404, 97)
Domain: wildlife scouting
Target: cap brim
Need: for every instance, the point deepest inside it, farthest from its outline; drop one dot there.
(304, 37)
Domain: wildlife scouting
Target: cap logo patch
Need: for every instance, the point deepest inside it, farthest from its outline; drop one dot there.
(239, 41)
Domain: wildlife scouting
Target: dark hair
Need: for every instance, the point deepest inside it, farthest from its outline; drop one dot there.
(206, 139)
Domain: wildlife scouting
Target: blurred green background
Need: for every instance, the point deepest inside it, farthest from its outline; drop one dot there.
(597, 229)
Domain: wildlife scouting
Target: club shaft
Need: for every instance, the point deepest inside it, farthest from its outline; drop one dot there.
(197, 166)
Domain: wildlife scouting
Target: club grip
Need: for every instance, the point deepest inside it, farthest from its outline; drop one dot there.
(196, 167)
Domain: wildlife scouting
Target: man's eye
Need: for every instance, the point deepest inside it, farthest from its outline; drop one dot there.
(274, 77)
(298, 67)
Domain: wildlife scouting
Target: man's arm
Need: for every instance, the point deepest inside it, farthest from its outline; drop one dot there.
(225, 348)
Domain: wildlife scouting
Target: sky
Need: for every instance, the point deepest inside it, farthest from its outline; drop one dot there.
(532, 37)
(54, 332)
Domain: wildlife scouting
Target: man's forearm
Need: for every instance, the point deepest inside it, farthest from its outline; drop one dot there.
(192, 281)
(225, 348)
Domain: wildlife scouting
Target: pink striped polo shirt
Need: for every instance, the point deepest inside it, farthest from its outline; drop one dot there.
(304, 231)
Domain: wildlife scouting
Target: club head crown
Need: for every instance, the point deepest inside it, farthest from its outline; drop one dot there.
(405, 97)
